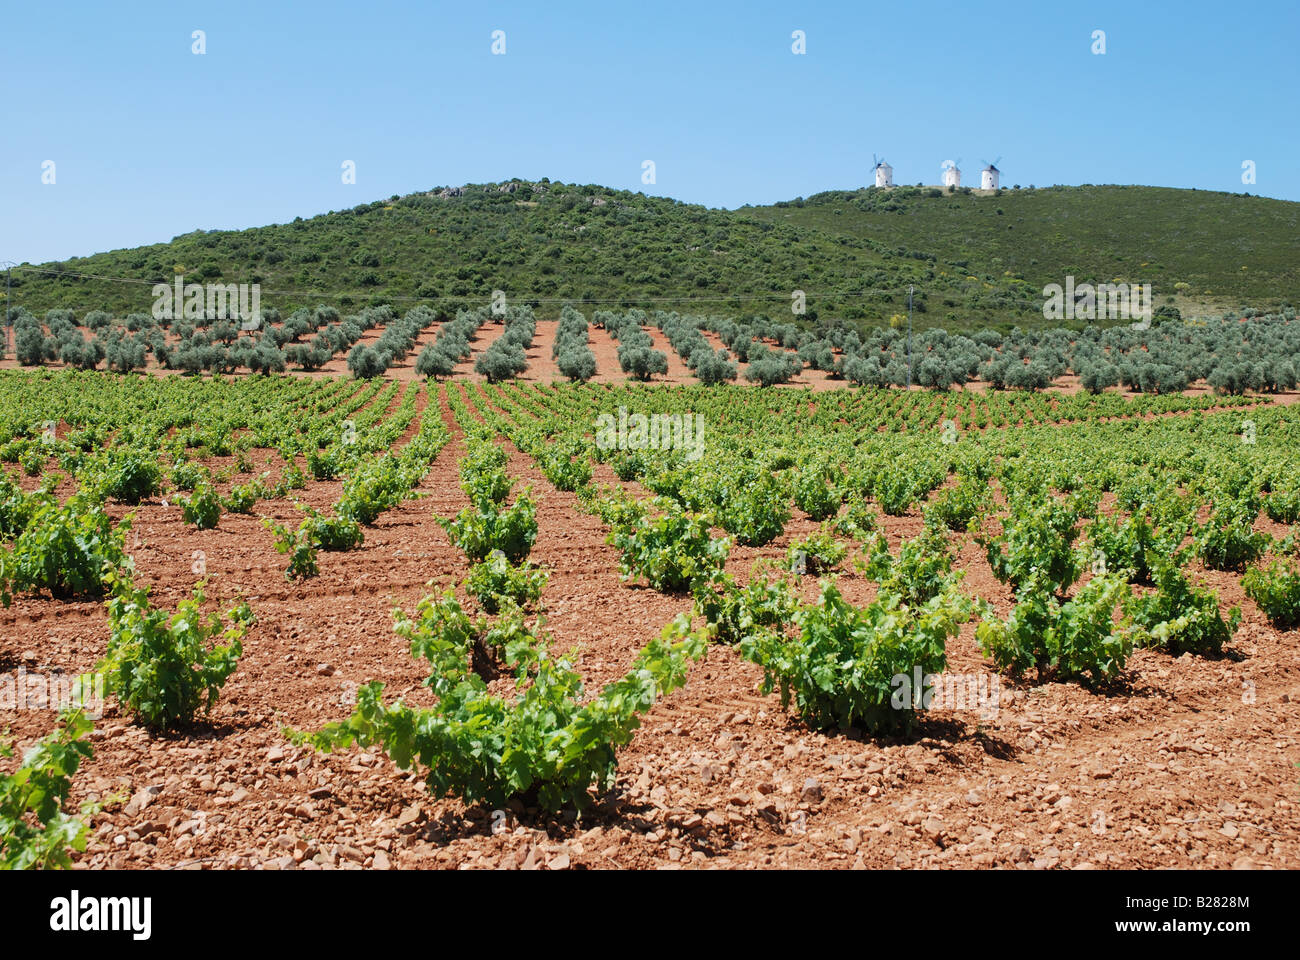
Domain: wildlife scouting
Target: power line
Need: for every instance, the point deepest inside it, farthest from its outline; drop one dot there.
(9, 273)
(89, 276)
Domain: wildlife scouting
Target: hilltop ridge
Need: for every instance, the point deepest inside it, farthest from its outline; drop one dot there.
(976, 260)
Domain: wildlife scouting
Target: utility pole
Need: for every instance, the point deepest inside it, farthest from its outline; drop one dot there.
(909, 336)
(9, 272)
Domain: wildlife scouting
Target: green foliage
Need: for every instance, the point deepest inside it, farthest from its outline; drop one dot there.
(331, 533)
(486, 485)
(131, 476)
(161, 668)
(1178, 617)
(921, 571)
(618, 508)
(547, 745)
(201, 508)
(243, 497)
(816, 554)
(1276, 589)
(754, 509)
(478, 530)
(671, 551)
(565, 466)
(628, 466)
(35, 833)
(187, 475)
(857, 520)
(895, 492)
(1136, 544)
(839, 667)
(816, 490)
(482, 452)
(1037, 543)
(733, 612)
(1078, 638)
(958, 505)
(1283, 506)
(496, 580)
(378, 486)
(327, 464)
(1228, 540)
(16, 507)
(300, 546)
(65, 549)
(292, 478)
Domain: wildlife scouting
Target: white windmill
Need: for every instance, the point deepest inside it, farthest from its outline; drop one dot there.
(989, 176)
(951, 173)
(884, 172)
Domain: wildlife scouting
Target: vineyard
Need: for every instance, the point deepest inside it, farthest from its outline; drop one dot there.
(481, 621)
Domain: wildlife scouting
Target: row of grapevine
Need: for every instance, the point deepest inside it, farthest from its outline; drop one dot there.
(546, 743)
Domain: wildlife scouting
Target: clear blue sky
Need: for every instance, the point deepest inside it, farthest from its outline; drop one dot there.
(151, 141)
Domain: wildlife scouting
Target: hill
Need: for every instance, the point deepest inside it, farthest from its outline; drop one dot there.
(1208, 251)
(975, 260)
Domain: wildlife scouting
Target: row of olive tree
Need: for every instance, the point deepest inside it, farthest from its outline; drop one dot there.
(571, 350)
(637, 356)
(507, 356)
